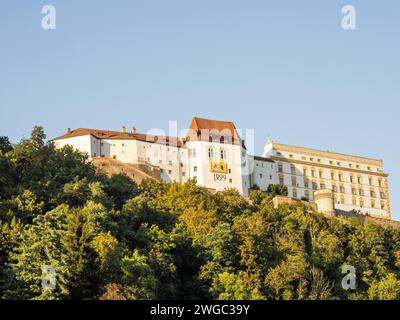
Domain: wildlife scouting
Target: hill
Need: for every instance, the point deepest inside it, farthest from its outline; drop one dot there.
(109, 238)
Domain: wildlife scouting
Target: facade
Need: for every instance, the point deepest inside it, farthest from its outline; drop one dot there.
(357, 183)
(215, 156)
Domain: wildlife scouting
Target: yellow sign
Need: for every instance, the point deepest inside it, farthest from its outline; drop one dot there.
(218, 167)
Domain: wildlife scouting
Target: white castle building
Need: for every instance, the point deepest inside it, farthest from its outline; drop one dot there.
(215, 156)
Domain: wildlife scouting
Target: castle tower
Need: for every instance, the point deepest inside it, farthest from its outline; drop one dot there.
(324, 201)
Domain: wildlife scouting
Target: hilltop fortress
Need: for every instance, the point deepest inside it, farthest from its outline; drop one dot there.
(214, 154)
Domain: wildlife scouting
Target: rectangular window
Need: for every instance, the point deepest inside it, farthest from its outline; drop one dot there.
(211, 153)
(293, 169)
(223, 154)
(342, 190)
(280, 167)
(192, 153)
(195, 169)
(281, 180)
(294, 193)
(294, 182)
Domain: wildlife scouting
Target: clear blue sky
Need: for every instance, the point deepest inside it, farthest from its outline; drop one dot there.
(285, 68)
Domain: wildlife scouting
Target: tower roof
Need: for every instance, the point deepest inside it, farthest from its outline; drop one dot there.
(203, 129)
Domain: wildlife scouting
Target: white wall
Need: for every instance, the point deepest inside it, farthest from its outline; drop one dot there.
(264, 173)
(327, 166)
(235, 177)
(81, 143)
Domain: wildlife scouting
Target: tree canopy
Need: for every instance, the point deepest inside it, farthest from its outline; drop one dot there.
(109, 238)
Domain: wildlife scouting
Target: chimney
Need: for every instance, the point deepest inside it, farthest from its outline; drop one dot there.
(123, 129)
(133, 130)
(69, 130)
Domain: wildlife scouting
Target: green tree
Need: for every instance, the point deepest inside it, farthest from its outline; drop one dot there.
(5, 145)
(386, 289)
(229, 286)
(277, 190)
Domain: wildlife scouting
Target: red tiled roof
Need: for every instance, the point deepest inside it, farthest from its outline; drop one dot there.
(201, 128)
(117, 135)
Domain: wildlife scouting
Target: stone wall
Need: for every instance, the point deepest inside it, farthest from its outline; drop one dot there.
(111, 167)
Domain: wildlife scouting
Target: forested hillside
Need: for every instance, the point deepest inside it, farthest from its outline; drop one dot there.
(108, 238)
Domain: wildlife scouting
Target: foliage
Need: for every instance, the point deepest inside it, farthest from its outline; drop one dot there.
(108, 238)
